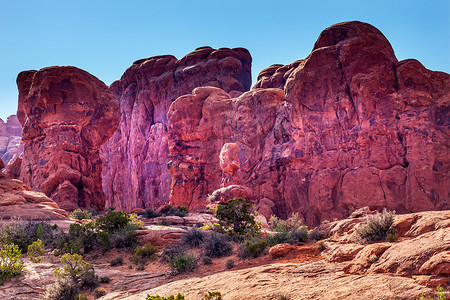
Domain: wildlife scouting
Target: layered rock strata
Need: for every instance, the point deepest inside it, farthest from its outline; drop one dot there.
(135, 158)
(66, 114)
(18, 202)
(350, 127)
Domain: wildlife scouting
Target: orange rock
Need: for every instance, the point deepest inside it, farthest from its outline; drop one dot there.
(280, 250)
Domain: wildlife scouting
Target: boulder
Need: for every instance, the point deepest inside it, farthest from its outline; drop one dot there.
(280, 250)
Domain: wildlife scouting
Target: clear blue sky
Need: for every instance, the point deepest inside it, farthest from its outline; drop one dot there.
(105, 37)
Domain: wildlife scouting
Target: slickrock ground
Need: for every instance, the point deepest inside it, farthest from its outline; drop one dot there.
(347, 127)
(10, 138)
(66, 114)
(405, 269)
(135, 158)
(415, 264)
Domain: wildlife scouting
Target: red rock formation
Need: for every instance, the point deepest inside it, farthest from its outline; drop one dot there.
(10, 139)
(67, 114)
(136, 157)
(17, 201)
(353, 128)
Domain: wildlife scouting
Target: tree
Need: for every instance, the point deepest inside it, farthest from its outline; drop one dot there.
(236, 218)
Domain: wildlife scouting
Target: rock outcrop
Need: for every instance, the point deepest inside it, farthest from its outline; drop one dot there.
(135, 158)
(10, 139)
(347, 127)
(17, 201)
(66, 114)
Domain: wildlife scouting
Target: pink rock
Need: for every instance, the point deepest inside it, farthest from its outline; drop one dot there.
(353, 128)
(135, 159)
(11, 144)
(67, 114)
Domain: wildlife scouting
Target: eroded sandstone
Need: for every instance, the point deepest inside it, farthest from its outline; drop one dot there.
(135, 159)
(66, 114)
(347, 127)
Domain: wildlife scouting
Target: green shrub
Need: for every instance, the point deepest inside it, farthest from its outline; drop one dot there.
(144, 253)
(252, 248)
(99, 292)
(80, 214)
(118, 261)
(229, 264)
(217, 245)
(293, 236)
(63, 289)
(182, 263)
(113, 221)
(206, 260)
(212, 296)
(105, 279)
(391, 237)
(10, 264)
(179, 211)
(134, 221)
(317, 234)
(440, 295)
(124, 238)
(298, 235)
(235, 218)
(279, 225)
(193, 238)
(83, 235)
(171, 297)
(377, 227)
(24, 234)
(170, 252)
(287, 231)
(149, 213)
(81, 297)
(35, 251)
(74, 268)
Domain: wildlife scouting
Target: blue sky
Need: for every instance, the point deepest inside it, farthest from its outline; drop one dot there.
(105, 37)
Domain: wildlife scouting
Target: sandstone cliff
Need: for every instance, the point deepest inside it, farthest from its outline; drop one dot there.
(66, 114)
(348, 126)
(10, 138)
(135, 158)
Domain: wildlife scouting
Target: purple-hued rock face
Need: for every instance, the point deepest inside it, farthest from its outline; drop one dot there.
(135, 159)
(10, 139)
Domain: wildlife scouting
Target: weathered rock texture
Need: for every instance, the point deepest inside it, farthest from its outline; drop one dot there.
(353, 127)
(66, 114)
(136, 157)
(10, 139)
(17, 201)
